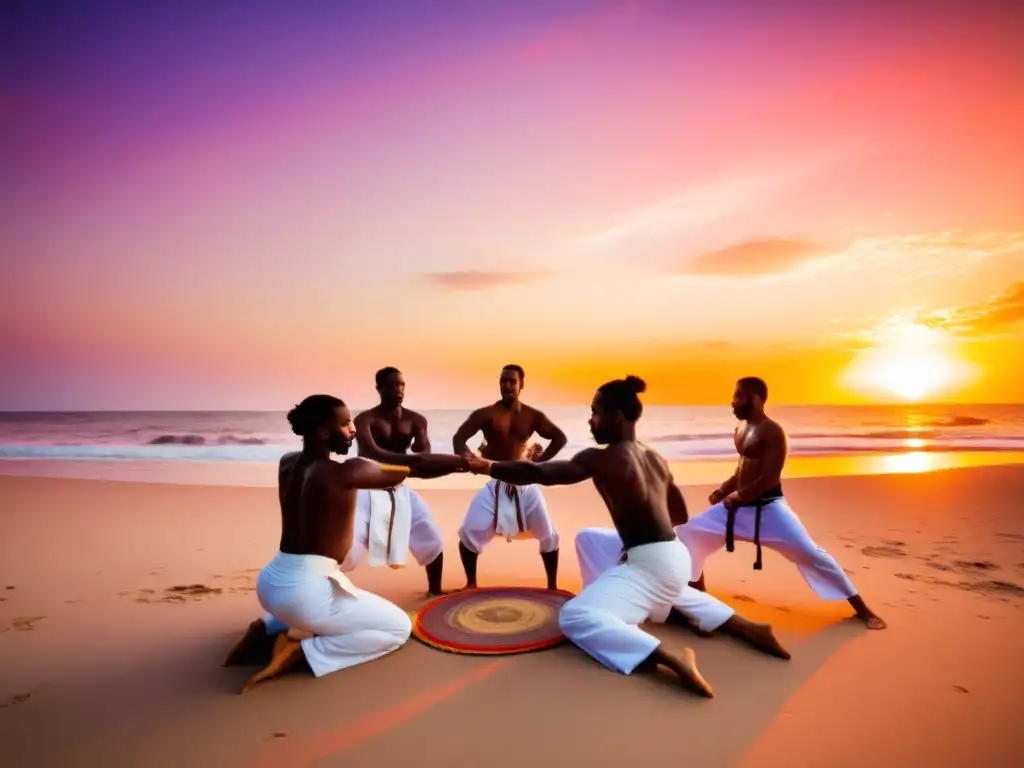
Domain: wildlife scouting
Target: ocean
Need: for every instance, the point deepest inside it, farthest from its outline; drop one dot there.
(681, 433)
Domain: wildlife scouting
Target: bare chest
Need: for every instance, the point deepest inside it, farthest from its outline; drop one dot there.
(393, 434)
(749, 444)
(508, 426)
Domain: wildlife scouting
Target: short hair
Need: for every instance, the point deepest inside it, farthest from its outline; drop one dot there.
(752, 385)
(383, 373)
(315, 411)
(518, 369)
(621, 395)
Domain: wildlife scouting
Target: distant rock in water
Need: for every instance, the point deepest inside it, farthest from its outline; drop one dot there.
(178, 440)
(232, 440)
(960, 421)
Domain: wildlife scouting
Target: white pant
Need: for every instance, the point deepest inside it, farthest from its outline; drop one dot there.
(781, 531)
(310, 593)
(604, 618)
(477, 527)
(425, 539)
(600, 549)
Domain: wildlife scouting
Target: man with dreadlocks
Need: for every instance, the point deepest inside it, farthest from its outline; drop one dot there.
(643, 500)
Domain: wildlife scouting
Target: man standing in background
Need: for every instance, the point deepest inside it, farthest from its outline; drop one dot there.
(501, 508)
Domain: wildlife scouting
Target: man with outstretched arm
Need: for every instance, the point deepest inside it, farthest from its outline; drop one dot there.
(391, 521)
(315, 615)
(502, 508)
(750, 506)
(637, 487)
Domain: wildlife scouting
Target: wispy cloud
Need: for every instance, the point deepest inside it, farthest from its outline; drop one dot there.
(689, 209)
(708, 201)
(917, 256)
(764, 256)
(473, 280)
(992, 315)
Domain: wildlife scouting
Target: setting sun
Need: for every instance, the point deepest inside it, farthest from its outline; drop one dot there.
(912, 361)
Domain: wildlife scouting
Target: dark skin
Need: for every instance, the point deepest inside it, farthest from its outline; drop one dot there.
(318, 498)
(636, 485)
(387, 433)
(762, 446)
(507, 427)
(759, 636)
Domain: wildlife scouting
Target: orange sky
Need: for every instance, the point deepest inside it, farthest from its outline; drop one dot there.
(830, 200)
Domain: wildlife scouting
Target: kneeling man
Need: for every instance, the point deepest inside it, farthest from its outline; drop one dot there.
(318, 618)
(637, 486)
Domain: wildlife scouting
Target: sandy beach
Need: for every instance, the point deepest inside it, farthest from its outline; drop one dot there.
(106, 663)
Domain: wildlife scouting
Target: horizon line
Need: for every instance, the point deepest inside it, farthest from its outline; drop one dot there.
(930, 404)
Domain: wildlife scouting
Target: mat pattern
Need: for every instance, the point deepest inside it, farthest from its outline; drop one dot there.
(492, 620)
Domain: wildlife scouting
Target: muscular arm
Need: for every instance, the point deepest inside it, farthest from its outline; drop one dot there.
(546, 429)
(366, 473)
(422, 465)
(773, 458)
(476, 421)
(420, 438)
(677, 513)
(729, 485)
(579, 468)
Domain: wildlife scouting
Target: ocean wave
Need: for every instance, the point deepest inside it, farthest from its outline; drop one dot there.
(885, 434)
(161, 452)
(201, 440)
(680, 450)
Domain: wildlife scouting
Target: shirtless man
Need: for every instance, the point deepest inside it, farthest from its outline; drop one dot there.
(386, 433)
(750, 506)
(643, 499)
(510, 509)
(318, 618)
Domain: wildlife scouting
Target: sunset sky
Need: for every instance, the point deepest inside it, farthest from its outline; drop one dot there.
(235, 204)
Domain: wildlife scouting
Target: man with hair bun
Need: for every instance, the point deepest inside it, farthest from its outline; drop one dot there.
(509, 509)
(643, 500)
(316, 617)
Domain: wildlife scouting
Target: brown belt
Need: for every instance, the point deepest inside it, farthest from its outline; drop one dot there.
(391, 520)
(730, 522)
(513, 492)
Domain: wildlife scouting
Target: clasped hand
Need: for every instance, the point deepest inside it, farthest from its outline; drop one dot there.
(478, 465)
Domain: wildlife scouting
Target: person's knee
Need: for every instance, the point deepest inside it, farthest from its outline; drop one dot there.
(586, 540)
(570, 617)
(574, 618)
(399, 625)
(468, 540)
(550, 542)
(428, 545)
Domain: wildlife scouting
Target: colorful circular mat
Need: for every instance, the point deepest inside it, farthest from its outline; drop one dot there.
(492, 620)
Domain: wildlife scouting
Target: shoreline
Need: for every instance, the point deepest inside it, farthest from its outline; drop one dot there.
(252, 474)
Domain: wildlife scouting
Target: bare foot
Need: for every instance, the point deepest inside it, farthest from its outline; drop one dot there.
(469, 585)
(686, 668)
(288, 655)
(872, 620)
(757, 635)
(254, 647)
(865, 614)
(683, 664)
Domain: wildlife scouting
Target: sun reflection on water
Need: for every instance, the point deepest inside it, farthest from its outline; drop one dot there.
(912, 461)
